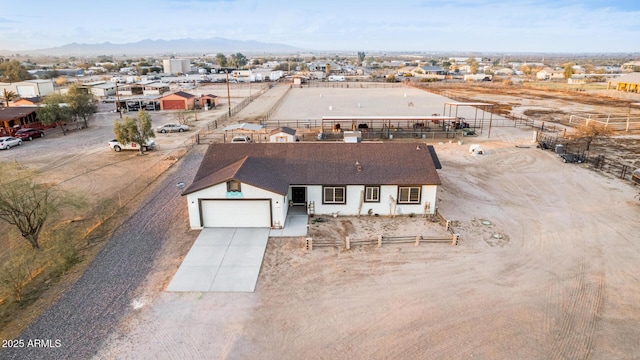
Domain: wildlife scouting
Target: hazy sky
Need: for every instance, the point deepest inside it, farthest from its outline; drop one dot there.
(352, 25)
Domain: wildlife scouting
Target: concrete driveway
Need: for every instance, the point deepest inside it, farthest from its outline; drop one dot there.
(222, 259)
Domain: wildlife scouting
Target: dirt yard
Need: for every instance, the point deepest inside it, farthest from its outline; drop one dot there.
(546, 268)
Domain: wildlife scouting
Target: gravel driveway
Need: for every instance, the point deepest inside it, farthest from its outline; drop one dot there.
(92, 308)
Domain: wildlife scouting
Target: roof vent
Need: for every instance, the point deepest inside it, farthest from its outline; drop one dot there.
(358, 166)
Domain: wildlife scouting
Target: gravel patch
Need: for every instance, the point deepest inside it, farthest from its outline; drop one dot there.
(76, 326)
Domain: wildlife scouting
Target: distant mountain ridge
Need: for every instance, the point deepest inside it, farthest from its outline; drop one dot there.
(156, 47)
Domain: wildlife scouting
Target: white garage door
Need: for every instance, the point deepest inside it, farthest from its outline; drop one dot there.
(236, 213)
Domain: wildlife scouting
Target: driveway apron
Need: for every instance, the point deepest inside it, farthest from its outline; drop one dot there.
(222, 260)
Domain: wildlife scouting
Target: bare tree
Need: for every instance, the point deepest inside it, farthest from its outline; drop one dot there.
(27, 205)
(183, 117)
(592, 130)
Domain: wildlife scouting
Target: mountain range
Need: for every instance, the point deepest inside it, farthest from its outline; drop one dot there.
(158, 47)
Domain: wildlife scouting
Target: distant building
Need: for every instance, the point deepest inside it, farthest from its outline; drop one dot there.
(626, 83)
(29, 88)
(176, 66)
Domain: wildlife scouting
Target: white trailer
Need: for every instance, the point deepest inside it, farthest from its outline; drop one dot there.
(276, 75)
(477, 77)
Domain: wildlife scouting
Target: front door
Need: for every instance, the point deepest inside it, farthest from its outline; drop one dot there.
(299, 195)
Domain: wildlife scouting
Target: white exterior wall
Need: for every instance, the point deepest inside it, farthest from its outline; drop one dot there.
(279, 203)
(428, 194)
(45, 87)
(288, 138)
(29, 88)
(174, 66)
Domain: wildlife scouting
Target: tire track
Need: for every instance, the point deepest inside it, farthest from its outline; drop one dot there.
(581, 304)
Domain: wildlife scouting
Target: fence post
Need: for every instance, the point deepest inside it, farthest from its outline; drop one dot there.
(348, 243)
(379, 241)
(309, 244)
(454, 240)
(417, 240)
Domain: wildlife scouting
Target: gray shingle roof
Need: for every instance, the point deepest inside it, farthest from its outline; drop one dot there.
(284, 129)
(276, 166)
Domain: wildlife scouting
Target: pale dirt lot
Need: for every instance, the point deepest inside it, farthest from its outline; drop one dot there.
(81, 162)
(553, 276)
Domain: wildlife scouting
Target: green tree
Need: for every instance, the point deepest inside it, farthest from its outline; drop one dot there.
(134, 130)
(8, 96)
(238, 60)
(221, 59)
(81, 102)
(54, 112)
(361, 57)
(13, 71)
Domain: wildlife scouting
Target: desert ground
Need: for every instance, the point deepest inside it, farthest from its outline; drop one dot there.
(545, 269)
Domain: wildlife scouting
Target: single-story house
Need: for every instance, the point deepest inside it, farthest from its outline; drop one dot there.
(101, 89)
(628, 83)
(178, 100)
(13, 117)
(283, 135)
(29, 101)
(428, 70)
(550, 74)
(504, 72)
(154, 88)
(255, 184)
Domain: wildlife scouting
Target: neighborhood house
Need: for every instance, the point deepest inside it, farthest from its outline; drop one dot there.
(254, 185)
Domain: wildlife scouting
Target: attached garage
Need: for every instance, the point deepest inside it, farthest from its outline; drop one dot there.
(236, 213)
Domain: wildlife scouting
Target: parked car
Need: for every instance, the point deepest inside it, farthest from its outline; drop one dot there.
(172, 127)
(241, 139)
(29, 134)
(117, 147)
(7, 142)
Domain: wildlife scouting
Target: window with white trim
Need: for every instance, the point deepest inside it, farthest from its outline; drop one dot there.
(334, 195)
(372, 194)
(409, 195)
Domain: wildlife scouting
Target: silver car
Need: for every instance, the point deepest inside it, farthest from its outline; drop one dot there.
(172, 127)
(7, 142)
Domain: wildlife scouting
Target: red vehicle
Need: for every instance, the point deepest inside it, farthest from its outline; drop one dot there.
(28, 134)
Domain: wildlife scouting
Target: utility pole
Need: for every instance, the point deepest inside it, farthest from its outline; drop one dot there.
(228, 94)
(118, 108)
